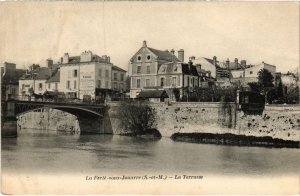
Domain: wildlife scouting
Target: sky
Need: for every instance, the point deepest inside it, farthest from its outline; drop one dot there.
(32, 32)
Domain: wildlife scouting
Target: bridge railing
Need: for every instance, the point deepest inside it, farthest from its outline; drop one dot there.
(55, 100)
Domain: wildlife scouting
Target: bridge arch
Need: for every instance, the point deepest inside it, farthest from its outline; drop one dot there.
(90, 117)
(68, 109)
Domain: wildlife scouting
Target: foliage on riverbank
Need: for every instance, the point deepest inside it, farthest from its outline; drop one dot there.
(138, 118)
(232, 139)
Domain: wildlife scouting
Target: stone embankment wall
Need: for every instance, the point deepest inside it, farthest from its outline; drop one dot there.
(277, 121)
(194, 117)
(281, 122)
(48, 119)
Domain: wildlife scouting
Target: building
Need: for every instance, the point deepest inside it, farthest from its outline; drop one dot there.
(144, 65)
(10, 81)
(34, 81)
(52, 84)
(209, 65)
(250, 72)
(158, 70)
(90, 76)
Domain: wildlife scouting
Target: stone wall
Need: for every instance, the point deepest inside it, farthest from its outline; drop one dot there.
(281, 122)
(194, 117)
(48, 119)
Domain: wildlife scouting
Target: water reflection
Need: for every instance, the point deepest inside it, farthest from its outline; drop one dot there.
(66, 153)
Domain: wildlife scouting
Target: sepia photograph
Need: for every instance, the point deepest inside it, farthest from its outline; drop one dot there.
(150, 97)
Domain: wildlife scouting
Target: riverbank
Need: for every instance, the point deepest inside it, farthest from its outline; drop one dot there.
(234, 140)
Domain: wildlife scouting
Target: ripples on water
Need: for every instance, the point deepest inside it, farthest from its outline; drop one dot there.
(51, 152)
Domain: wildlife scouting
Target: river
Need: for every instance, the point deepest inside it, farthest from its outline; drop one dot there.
(38, 151)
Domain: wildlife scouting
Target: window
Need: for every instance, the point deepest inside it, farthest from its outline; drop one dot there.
(138, 69)
(41, 86)
(147, 82)
(99, 84)
(106, 73)
(49, 85)
(115, 76)
(163, 69)
(148, 57)
(68, 84)
(106, 84)
(138, 83)
(174, 81)
(23, 86)
(75, 84)
(121, 87)
(56, 86)
(162, 81)
(75, 73)
(115, 86)
(175, 69)
(100, 72)
(139, 58)
(13, 91)
(251, 72)
(148, 69)
(122, 77)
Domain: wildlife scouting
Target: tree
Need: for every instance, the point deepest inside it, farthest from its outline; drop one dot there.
(265, 78)
(254, 86)
(280, 90)
(137, 116)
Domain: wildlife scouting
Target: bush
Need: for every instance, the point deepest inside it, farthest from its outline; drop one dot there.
(138, 117)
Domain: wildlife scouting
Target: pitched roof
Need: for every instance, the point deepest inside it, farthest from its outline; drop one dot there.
(186, 68)
(55, 77)
(74, 59)
(40, 73)
(189, 69)
(95, 58)
(164, 55)
(152, 94)
(117, 68)
(12, 77)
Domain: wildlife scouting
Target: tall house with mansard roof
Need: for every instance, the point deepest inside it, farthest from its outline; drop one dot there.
(144, 68)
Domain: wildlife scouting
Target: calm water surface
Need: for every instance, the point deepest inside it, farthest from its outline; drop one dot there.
(48, 152)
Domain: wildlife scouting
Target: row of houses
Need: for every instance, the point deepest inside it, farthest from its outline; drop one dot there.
(85, 76)
(154, 71)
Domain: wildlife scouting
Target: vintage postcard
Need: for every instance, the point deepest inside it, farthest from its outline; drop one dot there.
(149, 97)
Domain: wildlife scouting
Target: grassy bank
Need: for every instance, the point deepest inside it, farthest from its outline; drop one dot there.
(235, 140)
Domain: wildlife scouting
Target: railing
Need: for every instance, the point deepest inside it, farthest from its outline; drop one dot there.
(55, 100)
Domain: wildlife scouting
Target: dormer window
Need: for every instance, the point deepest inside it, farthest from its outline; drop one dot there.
(175, 69)
(163, 69)
(139, 58)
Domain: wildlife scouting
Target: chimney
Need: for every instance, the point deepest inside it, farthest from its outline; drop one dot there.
(108, 59)
(215, 61)
(181, 55)
(66, 58)
(236, 63)
(172, 51)
(9, 67)
(144, 43)
(243, 64)
(192, 58)
(227, 63)
(49, 63)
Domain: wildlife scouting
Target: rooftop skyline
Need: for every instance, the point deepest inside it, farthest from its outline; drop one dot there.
(32, 32)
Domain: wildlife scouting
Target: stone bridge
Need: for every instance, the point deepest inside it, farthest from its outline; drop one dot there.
(92, 118)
